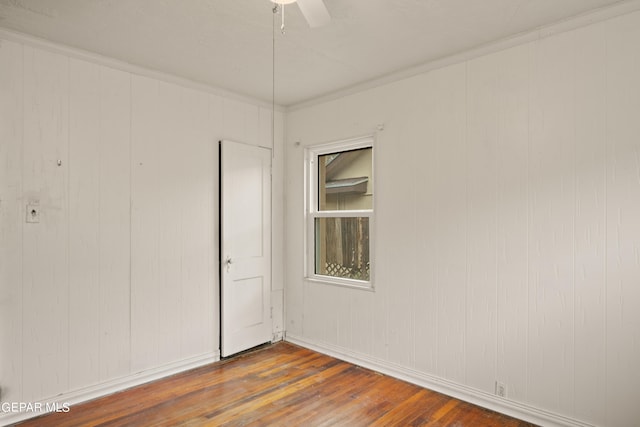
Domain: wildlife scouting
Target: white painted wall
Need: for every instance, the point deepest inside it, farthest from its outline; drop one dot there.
(120, 275)
(507, 227)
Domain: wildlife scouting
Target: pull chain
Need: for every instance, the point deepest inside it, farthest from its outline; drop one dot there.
(273, 81)
(282, 26)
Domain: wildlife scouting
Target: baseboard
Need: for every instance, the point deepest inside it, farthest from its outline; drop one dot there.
(459, 391)
(109, 387)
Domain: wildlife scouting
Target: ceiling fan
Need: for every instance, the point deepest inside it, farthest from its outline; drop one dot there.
(314, 11)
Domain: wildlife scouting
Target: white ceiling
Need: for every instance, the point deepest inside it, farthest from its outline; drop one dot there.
(228, 43)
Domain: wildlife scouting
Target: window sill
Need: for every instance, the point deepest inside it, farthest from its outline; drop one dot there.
(344, 283)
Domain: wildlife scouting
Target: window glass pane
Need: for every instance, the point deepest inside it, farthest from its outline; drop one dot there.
(345, 180)
(342, 247)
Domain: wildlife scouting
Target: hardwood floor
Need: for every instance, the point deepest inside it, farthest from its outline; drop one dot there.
(281, 384)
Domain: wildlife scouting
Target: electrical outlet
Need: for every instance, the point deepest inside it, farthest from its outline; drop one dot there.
(501, 389)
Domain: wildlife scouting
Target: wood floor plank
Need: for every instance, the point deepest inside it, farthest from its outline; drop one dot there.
(315, 398)
(280, 385)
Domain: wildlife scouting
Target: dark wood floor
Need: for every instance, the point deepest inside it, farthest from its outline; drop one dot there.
(281, 384)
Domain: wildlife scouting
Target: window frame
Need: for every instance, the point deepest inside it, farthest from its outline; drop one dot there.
(312, 211)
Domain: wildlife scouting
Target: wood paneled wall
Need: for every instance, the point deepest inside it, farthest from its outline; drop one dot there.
(120, 274)
(507, 225)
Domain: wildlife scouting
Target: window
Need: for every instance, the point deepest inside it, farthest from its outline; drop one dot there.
(340, 212)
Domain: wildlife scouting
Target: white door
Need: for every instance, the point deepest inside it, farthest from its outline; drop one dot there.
(245, 185)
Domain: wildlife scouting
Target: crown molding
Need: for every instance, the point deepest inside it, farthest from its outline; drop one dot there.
(572, 23)
(40, 43)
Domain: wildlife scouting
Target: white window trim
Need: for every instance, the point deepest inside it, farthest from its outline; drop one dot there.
(312, 212)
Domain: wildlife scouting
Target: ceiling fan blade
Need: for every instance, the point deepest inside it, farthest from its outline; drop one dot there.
(315, 12)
